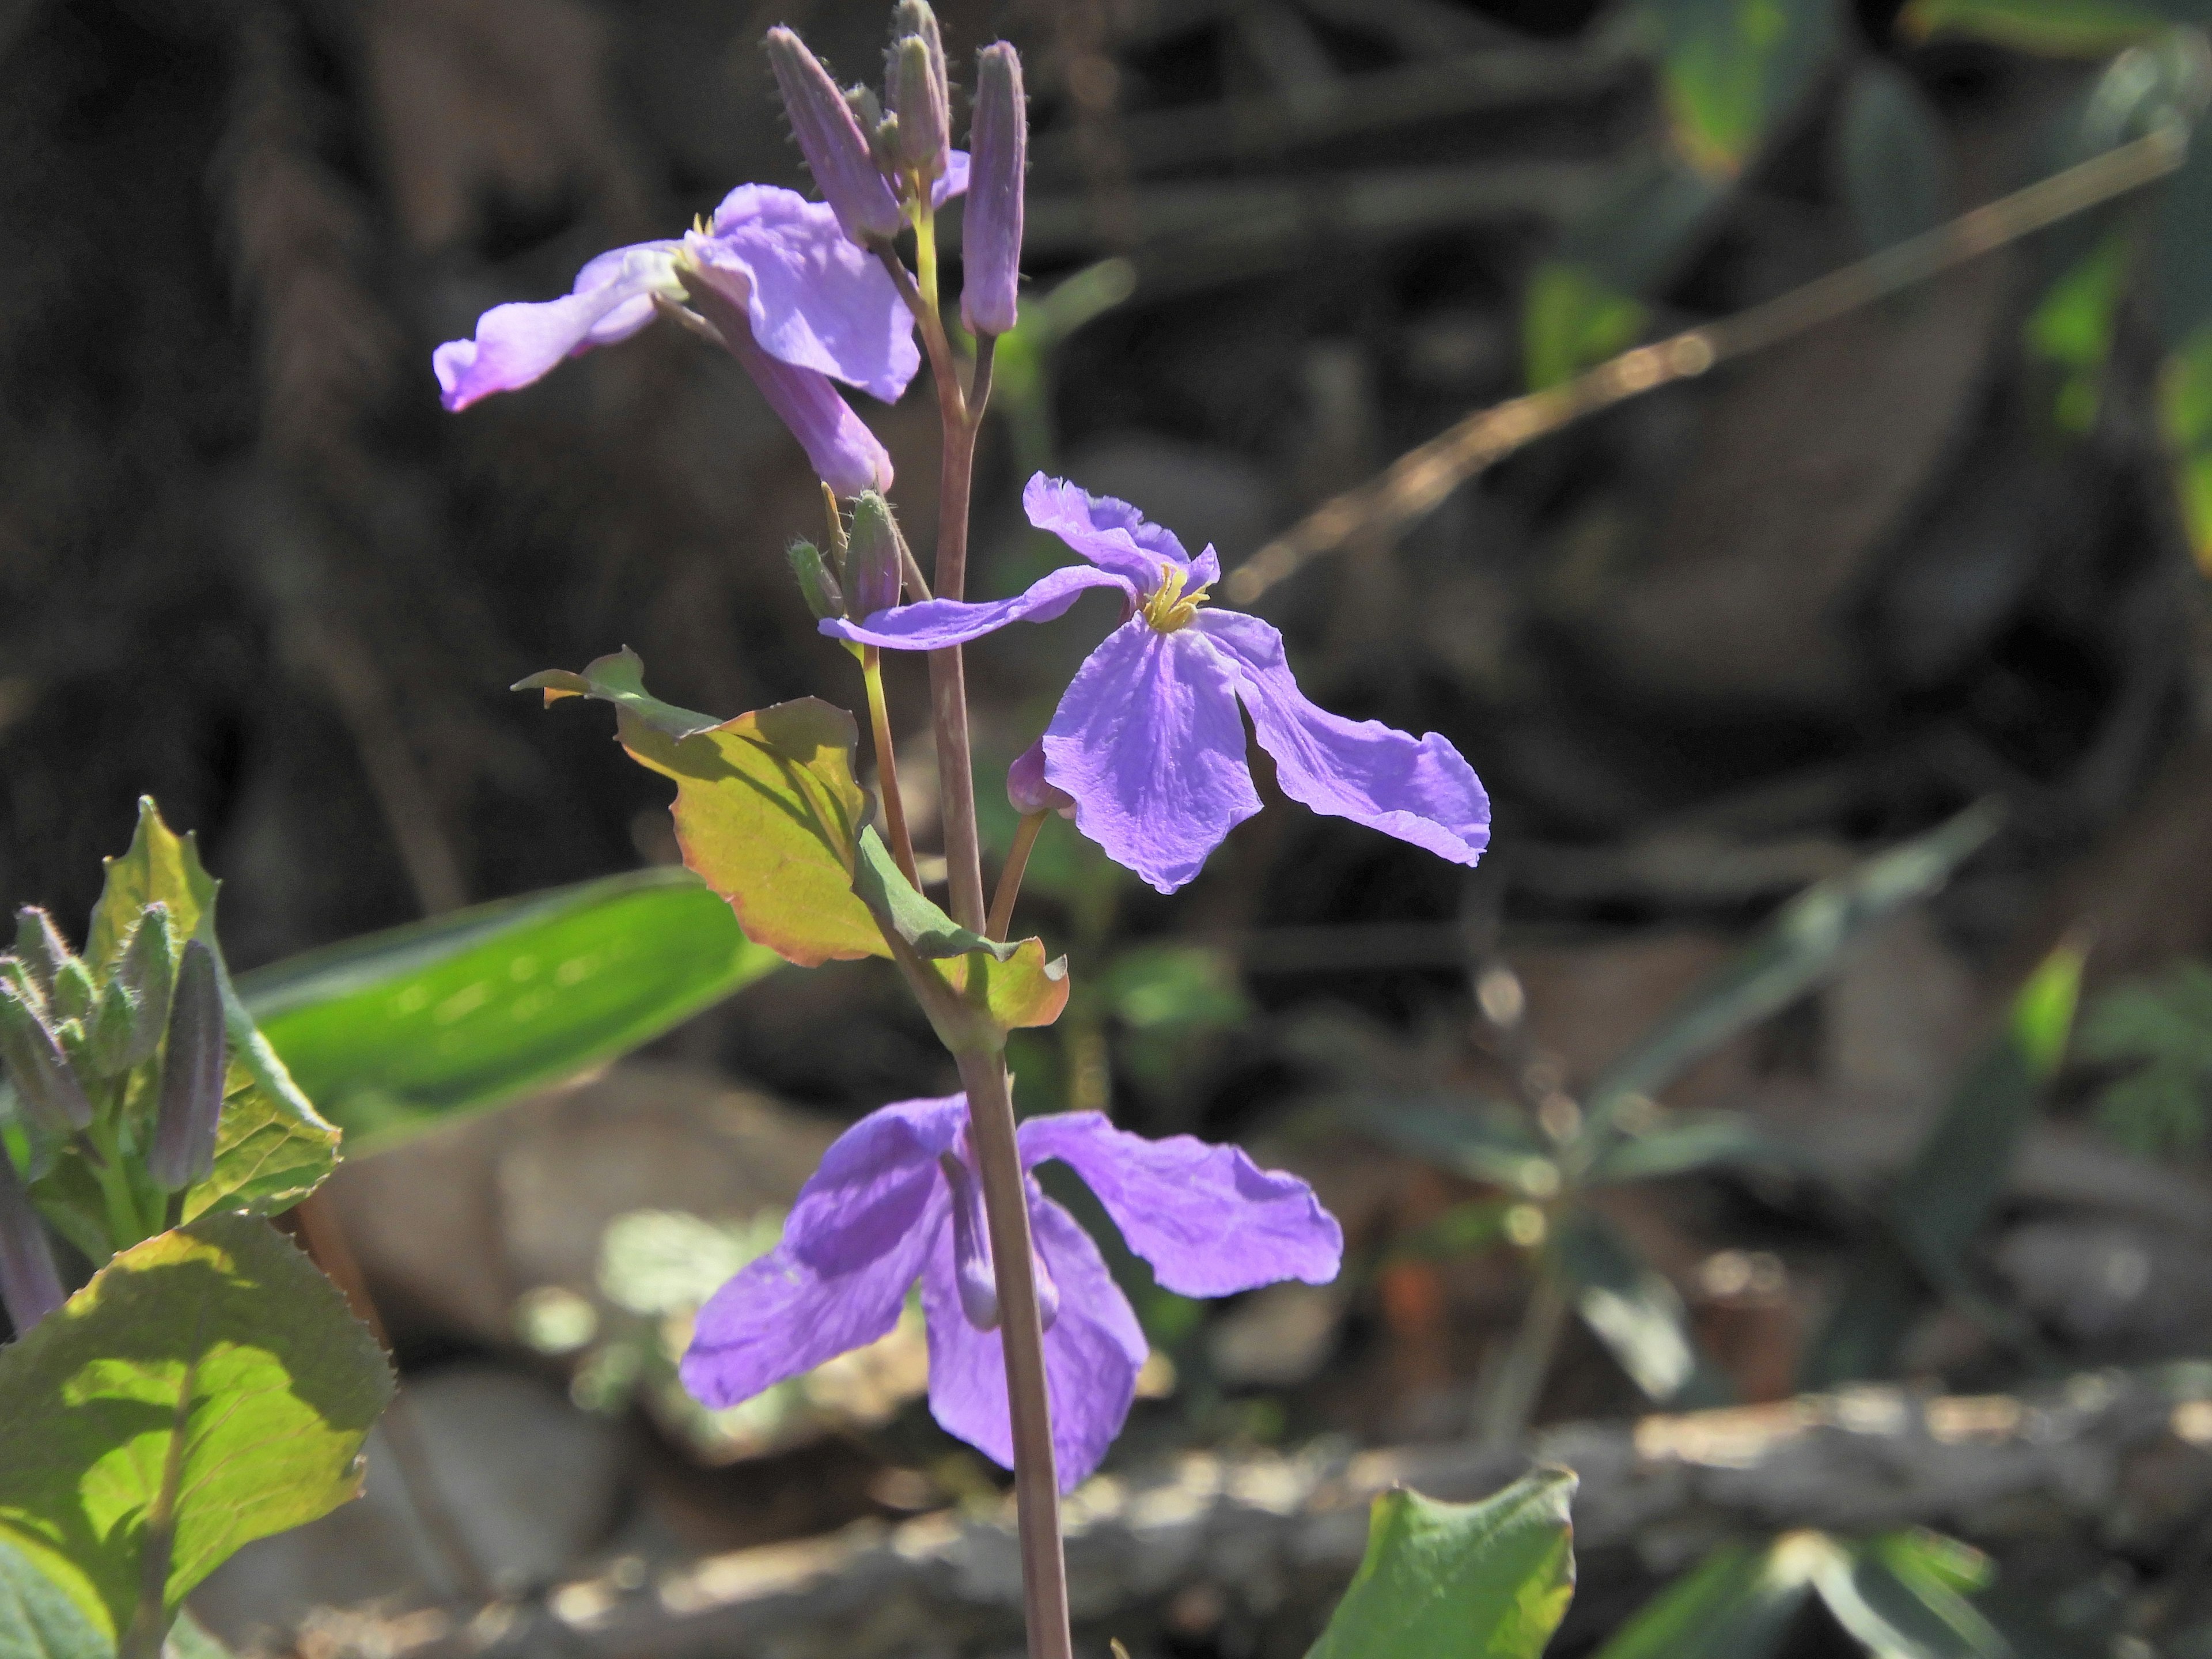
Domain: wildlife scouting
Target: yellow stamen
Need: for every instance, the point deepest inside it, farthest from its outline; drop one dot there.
(1169, 608)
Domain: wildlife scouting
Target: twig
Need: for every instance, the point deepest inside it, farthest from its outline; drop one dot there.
(1419, 480)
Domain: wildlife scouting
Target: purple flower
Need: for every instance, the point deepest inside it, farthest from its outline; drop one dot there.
(1148, 739)
(811, 307)
(898, 1199)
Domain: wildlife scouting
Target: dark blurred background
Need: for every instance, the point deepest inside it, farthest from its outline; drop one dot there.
(1706, 648)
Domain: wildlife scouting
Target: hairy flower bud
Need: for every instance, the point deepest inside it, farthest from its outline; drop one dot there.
(920, 96)
(39, 946)
(134, 1004)
(874, 566)
(1028, 789)
(192, 1075)
(73, 992)
(824, 597)
(44, 1080)
(991, 240)
(832, 141)
(30, 1288)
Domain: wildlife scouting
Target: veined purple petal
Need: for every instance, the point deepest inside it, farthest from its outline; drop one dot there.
(935, 623)
(1148, 741)
(1209, 1220)
(780, 1317)
(874, 1184)
(518, 344)
(1112, 534)
(1091, 1354)
(816, 301)
(1419, 789)
(845, 454)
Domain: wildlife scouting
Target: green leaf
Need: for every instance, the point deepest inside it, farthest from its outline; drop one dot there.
(1736, 1604)
(619, 678)
(2054, 29)
(1954, 1180)
(403, 1030)
(1644, 225)
(1481, 1139)
(1899, 1606)
(1024, 990)
(1676, 1143)
(37, 1621)
(1460, 1581)
(1731, 71)
(207, 1388)
(1799, 947)
(1893, 157)
(2072, 328)
(1175, 988)
(159, 864)
(2185, 419)
(902, 909)
(1633, 1310)
(1572, 318)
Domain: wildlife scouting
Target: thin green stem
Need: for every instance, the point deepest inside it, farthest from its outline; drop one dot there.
(1010, 878)
(1509, 1393)
(887, 778)
(127, 1224)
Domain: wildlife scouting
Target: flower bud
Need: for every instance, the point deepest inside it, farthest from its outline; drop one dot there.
(991, 240)
(39, 946)
(920, 97)
(134, 1004)
(832, 141)
(192, 1075)
(30, 1289)
(1028, 789)
(73, 992)
(820, 589)
(44, 1080)
(874, 565)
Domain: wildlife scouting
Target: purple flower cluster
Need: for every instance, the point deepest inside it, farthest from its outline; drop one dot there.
(1148, 742)
(898, 1199)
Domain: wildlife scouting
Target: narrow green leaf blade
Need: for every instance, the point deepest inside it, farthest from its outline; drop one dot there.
(400, 1031)
(1679, 1142)
(1481, 1139)
(899, 906)
(1736, 1604)
(1731, 71)
(1632, 1308)
(218, 1340)
(37, 1621)
(619, 678)
(1897, 1607)
(1460, 1581)
(1892, 156)
(2055, 29)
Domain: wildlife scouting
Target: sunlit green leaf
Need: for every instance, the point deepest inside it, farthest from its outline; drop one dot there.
(1893, 156)
(1026, 989)
(1731, 71)
(159, 865)
(398, 1031)
(1635, 1312)
(902, 908)
(1736, 1604)
(1460, 1581)
(1898, 1605)
(1799, 947)
(2071, 329)
(619, 678)
(2057, 29)
(207, 1388)
(1571, 319)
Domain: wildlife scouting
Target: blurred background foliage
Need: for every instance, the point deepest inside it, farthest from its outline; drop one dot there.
(1844, 711)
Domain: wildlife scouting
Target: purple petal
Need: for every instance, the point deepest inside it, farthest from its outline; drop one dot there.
(518, 344)
(873, 1183)
(1110, 533)
(935, 623)
(816, 299)
(1209, 1220)
(1420, 790)
(1091, 1354)
(953, 182)
(1149, 743)
(845, 454)
(780, 1317)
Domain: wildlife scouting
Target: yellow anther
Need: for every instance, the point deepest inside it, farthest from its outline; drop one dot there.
(1169, 608)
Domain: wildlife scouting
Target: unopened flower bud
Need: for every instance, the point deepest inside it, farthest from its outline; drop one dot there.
(39, 946)
(920, 97)
(991, 240)
(874, 565)
(832, 141)
(816, 582)
(192, 1075)
(30, 1288)
(44, 1080)
(73, 992)
(134, 1004)
(1028, 788)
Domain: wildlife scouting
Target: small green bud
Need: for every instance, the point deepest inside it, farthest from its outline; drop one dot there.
(874, 563)
(38, 1066)
(15, 974)
(192, 1075)
(39, 946)
(820, 587)
(922, 100)
(73, 991)
(134, 1004)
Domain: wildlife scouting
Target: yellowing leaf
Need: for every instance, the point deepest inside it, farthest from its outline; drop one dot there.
(159, 864)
